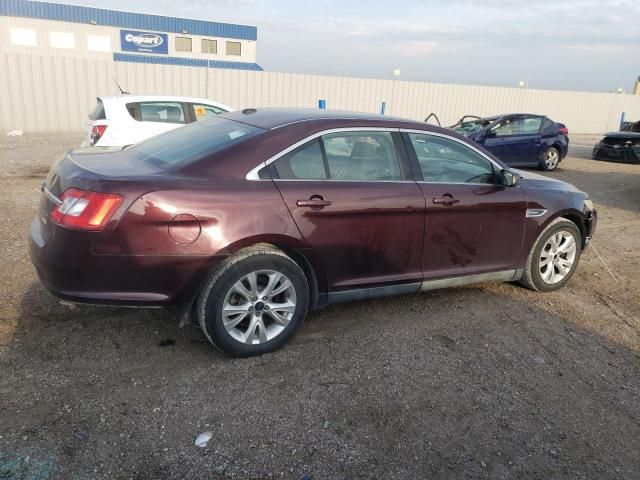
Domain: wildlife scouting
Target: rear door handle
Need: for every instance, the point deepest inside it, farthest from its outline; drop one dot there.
(445, 200)
(314, 202)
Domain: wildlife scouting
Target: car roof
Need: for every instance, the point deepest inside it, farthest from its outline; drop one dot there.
(128, 98)
(271, 118)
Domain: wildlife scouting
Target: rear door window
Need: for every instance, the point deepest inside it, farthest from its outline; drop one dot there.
(161, 112)
(531, 125)
(363, 156)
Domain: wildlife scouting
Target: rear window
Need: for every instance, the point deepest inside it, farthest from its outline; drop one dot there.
(192, 142)
(98, 112)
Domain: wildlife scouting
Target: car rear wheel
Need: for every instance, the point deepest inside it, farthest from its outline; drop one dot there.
(254, 302)
(550, 159)
(554, 257)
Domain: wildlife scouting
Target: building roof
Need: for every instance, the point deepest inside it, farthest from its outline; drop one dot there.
(114, 18)
(187, 62)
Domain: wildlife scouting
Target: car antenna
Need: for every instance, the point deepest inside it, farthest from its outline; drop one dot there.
(122, 92)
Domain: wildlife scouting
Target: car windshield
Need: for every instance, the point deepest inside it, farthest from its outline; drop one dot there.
(191, 143)
(473, 126)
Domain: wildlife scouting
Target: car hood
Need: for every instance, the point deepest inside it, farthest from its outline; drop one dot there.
(625, 135)
(540, 181)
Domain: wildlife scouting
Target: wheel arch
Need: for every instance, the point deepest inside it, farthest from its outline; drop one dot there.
(299, 251)
(573, 215)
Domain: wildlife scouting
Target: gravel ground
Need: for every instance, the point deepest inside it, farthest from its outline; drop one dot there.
(488, 381)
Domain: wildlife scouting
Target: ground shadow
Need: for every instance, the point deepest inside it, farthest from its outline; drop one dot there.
(460, 383)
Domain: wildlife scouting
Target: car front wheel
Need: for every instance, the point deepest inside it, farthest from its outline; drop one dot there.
(254, 302)
(550, 159)
(554, 257)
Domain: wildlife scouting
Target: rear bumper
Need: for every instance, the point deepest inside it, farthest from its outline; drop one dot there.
(68, 269)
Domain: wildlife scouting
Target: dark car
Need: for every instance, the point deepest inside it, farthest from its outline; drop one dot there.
(251, 219)
(623, 146)
(520, 139)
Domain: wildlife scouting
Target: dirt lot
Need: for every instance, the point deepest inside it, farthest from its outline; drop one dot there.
(490, 381)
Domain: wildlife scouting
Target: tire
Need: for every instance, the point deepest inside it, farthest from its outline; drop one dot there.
(550, 159)
(535, 272)
(269, 323)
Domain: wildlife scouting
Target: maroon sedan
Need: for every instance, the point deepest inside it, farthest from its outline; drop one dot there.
(251, 219)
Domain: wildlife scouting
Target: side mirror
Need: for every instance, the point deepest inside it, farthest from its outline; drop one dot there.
(508, 178)
(490, 134)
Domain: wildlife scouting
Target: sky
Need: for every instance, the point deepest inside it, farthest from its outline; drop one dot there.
(551, 44)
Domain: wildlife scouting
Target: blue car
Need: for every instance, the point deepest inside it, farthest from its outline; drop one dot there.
(519, 139)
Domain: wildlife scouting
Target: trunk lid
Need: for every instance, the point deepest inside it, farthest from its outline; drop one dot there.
(107, 170)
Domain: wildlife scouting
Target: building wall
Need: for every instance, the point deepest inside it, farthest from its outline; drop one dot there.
(82, 31)
(56, 93)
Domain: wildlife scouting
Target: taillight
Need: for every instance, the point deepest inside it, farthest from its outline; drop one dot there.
(85, 210)
(564, 130)
(96, 133)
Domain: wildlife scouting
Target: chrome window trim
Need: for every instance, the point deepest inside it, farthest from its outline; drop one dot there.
(345, 181)
(253, 173)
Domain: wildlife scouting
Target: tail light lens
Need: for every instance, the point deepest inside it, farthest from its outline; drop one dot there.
(96, 133)
(85, 210)
(564, 130)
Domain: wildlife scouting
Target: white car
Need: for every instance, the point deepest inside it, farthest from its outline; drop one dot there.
(128, 119)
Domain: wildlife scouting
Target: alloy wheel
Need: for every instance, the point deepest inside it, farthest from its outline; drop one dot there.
(557, 257)
(551, 159)
(259, 306)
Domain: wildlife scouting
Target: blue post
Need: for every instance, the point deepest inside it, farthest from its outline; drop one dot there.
(621, 120)
(382, 107)
(322, 104)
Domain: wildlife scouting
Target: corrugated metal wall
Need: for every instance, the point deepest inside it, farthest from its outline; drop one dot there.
(41, 93)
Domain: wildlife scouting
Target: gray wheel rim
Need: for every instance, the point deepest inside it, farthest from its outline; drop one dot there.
(258, 307)
(557, 257)
(551, 158)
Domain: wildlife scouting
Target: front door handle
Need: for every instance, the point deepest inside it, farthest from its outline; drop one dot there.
(314, 202)
(445, 200)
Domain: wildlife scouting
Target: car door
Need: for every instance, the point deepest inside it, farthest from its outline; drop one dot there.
(351, 195)
(153, 118)
(473, 224)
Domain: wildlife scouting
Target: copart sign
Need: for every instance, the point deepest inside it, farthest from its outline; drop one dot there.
(147, 42)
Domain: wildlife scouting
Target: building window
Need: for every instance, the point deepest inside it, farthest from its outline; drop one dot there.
(234, 48)
(98, 43)
(183, 44)
(62, 40)
(209, 46)
(23, 37)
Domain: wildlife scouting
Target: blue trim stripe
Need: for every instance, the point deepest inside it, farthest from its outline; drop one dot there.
(189, 62)
(112, 18)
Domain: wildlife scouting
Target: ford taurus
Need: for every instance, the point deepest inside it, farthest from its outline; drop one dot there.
(251, 219)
